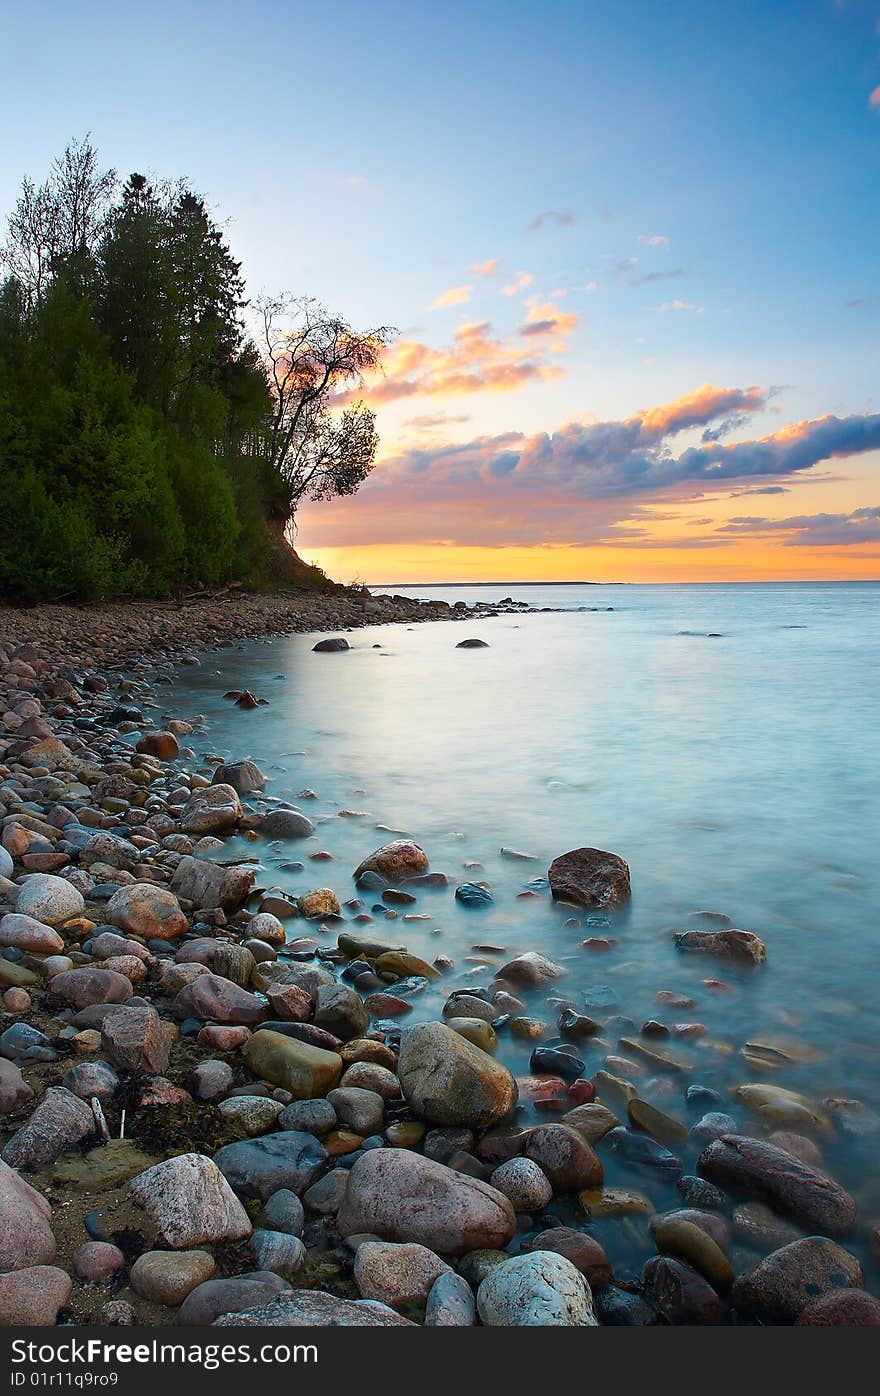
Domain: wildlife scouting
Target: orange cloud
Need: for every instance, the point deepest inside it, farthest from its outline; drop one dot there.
(519, 283)
(456, 295)
(474, 362)
(544, 318)
(874, 99)
(485, 268)
(703, 405)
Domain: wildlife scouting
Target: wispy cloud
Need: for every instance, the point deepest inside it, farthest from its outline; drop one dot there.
(456, 295)
(677, 305)
(432, 421)
(518, 284)
(561, 218)
(760, 489)
(488, 268)
(813, 530)
(649, 276)
(625, 269)
(654, 239)
(874, 99)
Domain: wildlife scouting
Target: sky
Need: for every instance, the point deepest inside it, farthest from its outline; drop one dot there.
(630, 250)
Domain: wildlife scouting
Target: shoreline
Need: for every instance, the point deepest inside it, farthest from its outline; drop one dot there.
(204, 1080)
(114, 631)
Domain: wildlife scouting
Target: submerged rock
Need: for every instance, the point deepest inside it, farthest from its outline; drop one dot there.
(395, 861)
(760, 1170)
(473, 894)
(286, 824)
(781, 1285)
(590, 877)
(777, 1106)
(728, 944)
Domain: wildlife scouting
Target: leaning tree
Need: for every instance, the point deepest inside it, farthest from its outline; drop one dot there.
(321, 442)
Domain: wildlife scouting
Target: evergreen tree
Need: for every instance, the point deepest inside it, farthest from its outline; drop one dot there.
(146, 443)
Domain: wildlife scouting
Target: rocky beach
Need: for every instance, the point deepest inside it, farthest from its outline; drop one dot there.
(222, 1099)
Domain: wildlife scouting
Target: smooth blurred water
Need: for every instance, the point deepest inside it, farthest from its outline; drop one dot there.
(722, 739)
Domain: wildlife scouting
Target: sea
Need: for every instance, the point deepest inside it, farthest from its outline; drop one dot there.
(722, 739)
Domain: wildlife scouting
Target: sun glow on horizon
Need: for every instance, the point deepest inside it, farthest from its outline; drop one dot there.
(414, 565)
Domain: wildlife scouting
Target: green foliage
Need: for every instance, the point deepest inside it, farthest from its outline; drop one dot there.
(138, 422)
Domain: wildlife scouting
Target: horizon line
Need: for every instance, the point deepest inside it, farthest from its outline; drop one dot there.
(716, 582)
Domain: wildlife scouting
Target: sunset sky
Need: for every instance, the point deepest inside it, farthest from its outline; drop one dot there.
(632, 251)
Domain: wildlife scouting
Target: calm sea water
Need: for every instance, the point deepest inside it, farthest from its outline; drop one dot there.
(723, 739)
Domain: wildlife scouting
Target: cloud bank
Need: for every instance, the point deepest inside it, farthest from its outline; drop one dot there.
(600, 482)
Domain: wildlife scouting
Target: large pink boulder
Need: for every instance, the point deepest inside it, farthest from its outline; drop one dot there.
(399, 1195)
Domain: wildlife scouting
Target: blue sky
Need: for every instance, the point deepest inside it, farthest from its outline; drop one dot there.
(713, 169)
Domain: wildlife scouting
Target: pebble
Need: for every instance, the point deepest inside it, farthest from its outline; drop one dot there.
(277, 1250)
(95, 1262)
(167, 1277)
(451, 1303)
(396, 1274)
(284, 1212)
(520, 1179)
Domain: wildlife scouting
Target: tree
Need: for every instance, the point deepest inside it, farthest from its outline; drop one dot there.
(133, 288)
(317, 445)
(146, 442)
(59, 220)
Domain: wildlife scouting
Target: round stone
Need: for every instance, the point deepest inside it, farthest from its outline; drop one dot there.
(167, 1277)
(524, 1182)
(97, 1261)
